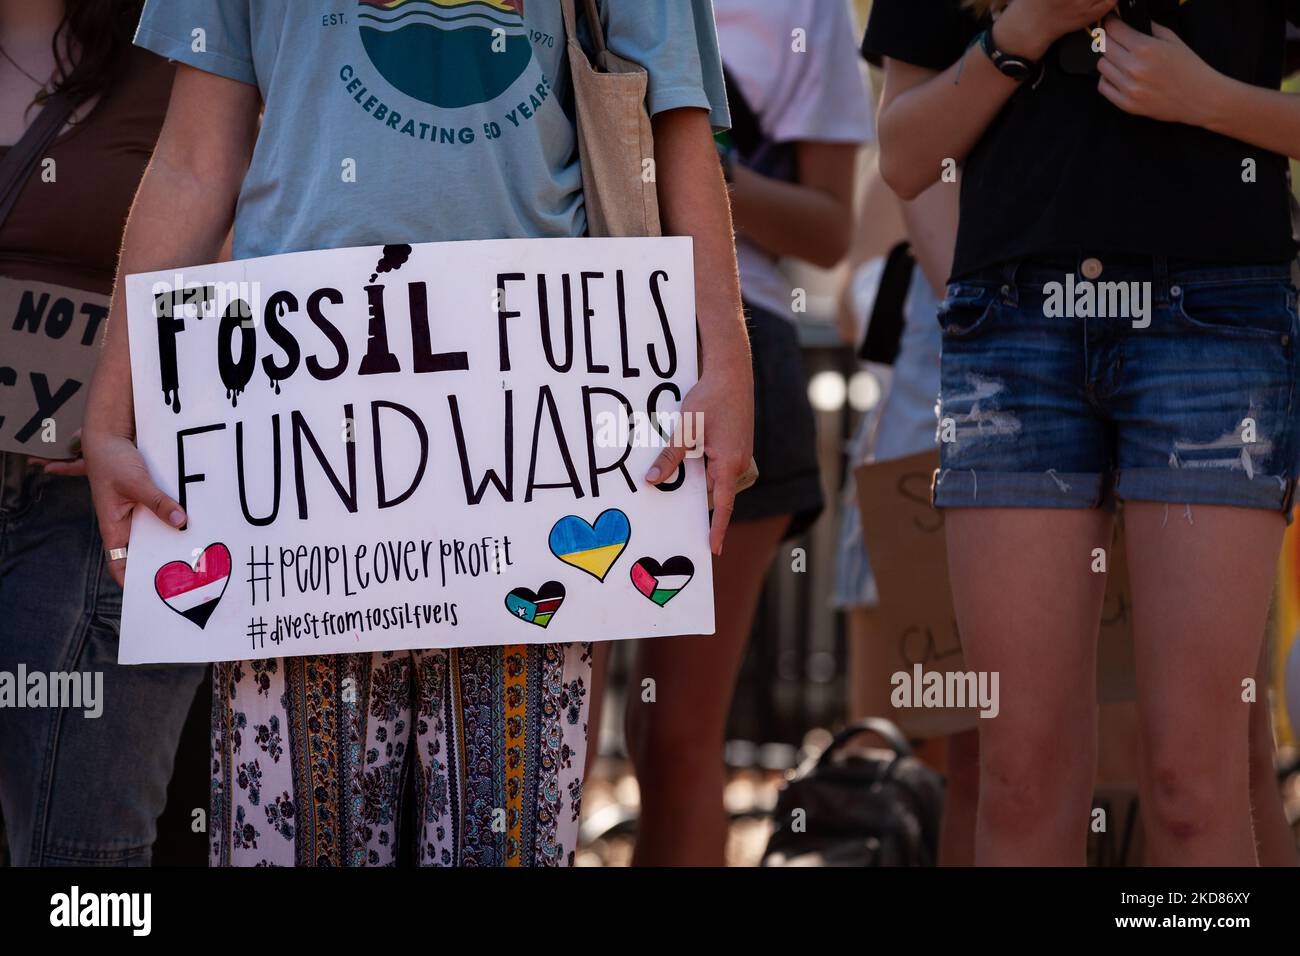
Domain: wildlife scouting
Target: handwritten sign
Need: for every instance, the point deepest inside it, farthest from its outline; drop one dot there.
(398, 447)
(49, 340)
(904, 537)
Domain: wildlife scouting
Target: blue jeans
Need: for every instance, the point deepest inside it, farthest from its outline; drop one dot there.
(76, 789)
(1175, 383)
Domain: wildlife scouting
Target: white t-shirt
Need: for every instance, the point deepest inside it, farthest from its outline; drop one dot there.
(796, 63)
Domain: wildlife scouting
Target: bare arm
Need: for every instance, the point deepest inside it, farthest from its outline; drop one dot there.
(1161, 77)
(811, 219)
(693, 202)
(932, 229)
(1269, 119)
(181, 216)
(929, 118)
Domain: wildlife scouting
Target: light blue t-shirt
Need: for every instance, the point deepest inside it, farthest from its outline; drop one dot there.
(401, 121)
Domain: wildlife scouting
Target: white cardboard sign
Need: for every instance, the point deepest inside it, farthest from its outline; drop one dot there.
(49, 341)
(399, 447)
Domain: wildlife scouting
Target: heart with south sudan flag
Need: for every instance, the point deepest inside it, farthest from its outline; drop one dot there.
(536, 607)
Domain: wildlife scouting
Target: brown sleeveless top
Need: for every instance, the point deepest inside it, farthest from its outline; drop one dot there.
(68, 232)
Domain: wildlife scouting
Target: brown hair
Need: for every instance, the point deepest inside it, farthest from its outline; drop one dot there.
(99, 34)
(984, 7)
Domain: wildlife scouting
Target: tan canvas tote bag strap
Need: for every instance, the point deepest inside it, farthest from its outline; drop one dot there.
(615, 137)
(570, 18)
(593, 21)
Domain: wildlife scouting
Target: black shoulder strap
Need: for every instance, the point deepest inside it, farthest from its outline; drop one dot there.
(745, 130)
(18, 163)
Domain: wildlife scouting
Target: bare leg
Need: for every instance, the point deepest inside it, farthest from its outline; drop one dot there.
(871, 661)
(961, 801)
(1029, 607)
(676, 741)
(1201, 580)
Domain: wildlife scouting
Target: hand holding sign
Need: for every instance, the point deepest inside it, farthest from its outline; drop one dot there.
(67, 468)
(724, 397)
(120, 483)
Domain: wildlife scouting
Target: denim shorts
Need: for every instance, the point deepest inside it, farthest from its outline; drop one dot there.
(1064, 383)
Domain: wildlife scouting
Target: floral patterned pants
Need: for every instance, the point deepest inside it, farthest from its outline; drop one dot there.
(465, 757)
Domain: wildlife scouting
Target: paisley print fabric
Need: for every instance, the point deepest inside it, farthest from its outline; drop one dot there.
(465, 757)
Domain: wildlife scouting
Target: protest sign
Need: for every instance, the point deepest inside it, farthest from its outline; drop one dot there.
(398, 447)
(905, 542)
(49, 341)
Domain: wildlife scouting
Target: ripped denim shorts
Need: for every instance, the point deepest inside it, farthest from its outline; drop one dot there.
(1064, 383)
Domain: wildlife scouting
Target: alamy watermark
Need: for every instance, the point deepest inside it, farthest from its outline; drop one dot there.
(942, 690)
(75, 690)
(237, 301)
(620, 429)
(1085, 299)
(78, 909)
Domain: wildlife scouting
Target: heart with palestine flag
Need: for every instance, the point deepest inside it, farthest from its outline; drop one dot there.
(662, 582)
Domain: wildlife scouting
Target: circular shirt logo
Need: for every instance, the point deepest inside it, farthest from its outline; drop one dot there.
(447, 53)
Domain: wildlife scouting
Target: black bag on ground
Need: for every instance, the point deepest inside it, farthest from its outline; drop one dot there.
(859, 808)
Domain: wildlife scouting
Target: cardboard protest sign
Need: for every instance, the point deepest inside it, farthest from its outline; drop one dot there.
(397, 447)
(49, 340)
(905, 541)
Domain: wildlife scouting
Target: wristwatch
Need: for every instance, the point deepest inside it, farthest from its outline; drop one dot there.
(1017, 67)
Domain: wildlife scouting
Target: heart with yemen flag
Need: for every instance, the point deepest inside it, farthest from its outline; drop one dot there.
(193, 590)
